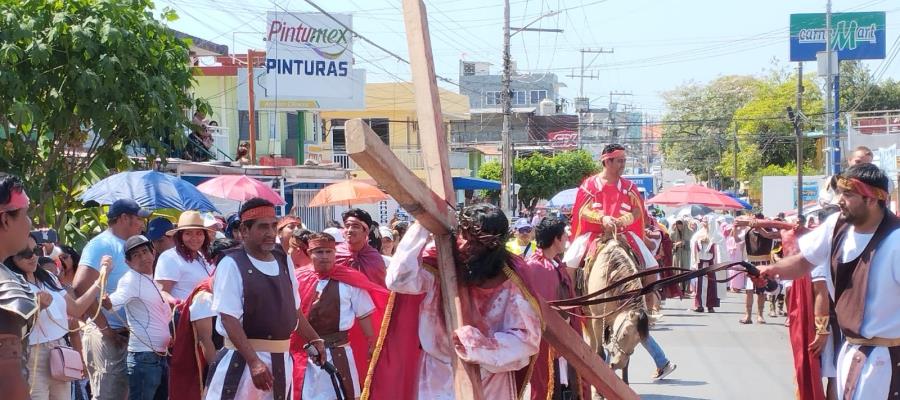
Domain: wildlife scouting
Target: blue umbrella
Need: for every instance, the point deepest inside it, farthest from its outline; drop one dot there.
(746, 205)
(566, 198)
(152, 190)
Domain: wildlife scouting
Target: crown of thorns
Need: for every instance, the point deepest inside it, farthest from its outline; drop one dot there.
(473, 229)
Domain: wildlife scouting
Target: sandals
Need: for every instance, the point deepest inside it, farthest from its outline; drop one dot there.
(745, 321)
(760, 320)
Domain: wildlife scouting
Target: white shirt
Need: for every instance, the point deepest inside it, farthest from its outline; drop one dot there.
(201, 306)
(822, 272)
(52, 323)
(228, 288)
(186, 275)
(355, 303)
(880, 318)
(148, 315)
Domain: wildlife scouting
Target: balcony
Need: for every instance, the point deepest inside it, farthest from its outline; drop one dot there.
(411, 157)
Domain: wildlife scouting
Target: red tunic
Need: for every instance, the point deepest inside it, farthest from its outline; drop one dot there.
(595, 200)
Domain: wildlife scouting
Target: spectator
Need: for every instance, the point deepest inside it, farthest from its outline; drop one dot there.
(231, 227)
(47, 263)
(336, 233)
(48, 239)
(148, 321)
(387, 241)
(156, 233)
(68, 265)
(522, 245)
(375, 237)
(51, 328)
(195, 350)
(399, 228)
(104, 341)
(180, 269)
(298, 248)
(286, 226)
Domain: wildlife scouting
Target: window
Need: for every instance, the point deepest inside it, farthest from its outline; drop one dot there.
(338, 140)
(520, 98)
(381, 126)
(293, 125)
(492, 98)
(244, 125)
(537, 96)
(312, 134)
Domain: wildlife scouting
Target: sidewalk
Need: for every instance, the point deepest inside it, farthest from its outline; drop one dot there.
(717, 357)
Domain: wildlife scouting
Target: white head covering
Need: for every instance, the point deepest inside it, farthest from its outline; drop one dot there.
(336, 234)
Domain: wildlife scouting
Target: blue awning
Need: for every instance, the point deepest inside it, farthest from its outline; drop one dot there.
(469, 183)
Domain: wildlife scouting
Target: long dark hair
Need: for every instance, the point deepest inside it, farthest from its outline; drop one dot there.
(40, 274)
(188, 254)
(73, 255)
(487, 224)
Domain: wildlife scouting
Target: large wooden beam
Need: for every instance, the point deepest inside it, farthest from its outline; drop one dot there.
(370, 153)
(571, 346)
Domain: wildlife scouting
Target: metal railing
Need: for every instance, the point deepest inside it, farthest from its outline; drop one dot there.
(411, 157)
(876, 122)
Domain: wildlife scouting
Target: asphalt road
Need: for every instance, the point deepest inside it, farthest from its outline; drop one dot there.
(717, 357)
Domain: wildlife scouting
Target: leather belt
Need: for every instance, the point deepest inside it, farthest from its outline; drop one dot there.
(766, 258)
(876, 341)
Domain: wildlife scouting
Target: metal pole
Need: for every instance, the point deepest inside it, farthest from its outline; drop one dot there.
(506, 183)
(251, 114)
(829, 155)
(737, 185)
(799, 133)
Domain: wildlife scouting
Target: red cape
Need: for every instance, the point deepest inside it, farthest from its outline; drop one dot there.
(307, 278)
(802, 330)
(613, 198)
(185, 375)
(367, 260)
(394, 370)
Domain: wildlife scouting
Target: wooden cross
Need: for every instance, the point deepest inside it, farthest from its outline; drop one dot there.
(431, 205)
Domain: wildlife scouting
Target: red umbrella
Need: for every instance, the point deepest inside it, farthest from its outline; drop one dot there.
(695, 194)
(240, 188)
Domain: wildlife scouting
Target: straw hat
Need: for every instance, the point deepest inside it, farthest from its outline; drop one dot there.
(189, 220)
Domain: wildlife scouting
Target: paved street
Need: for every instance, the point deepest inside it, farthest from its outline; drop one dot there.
(717, 357)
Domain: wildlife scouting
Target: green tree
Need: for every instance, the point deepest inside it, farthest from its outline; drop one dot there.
(85, 82)
(697, 128)
(542, 176)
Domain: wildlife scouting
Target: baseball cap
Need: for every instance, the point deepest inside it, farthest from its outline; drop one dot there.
(135, 242)
(386, 232)
(523, 224)
(42, 236)
(336, 234)
(126, 206)
(158, 227)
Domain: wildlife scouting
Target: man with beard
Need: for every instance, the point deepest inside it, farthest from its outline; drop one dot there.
(18, 304)
(860, 247)
(356, 252)
(257, 302)
(507, 329)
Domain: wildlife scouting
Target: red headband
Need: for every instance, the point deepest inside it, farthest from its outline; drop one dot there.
(862, 188)
(290, 219)
(320, 244)
(258, 212)
(613, 154)
(17, 200)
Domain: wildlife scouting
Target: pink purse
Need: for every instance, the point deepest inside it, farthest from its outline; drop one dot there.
(66, 364)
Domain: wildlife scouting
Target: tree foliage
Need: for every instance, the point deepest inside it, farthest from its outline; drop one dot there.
(542, 176)
(84, 82)
(860, 91)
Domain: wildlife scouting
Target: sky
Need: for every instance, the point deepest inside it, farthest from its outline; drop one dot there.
(657, 44)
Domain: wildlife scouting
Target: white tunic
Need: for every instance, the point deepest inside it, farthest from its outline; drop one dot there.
(514, 328)
(355, 303)
(880, 318)
(228, 298)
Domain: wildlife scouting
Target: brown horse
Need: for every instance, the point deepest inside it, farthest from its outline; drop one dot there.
(617, 326)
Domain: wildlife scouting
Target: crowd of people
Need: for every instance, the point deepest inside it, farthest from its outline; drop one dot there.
(256, 306)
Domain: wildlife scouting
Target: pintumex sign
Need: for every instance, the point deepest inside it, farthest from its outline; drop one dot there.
(309, 60)
(854, 36)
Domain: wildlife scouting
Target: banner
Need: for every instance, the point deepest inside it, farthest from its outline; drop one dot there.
(854, 36)
(309, 60)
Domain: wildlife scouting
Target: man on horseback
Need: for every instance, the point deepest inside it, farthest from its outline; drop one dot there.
(607, 203)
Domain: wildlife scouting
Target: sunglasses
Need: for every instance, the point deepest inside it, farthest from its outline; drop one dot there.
(37, 251)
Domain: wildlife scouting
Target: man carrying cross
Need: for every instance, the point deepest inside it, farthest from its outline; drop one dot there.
(507, 321)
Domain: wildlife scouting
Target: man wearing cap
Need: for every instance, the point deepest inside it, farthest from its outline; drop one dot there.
(148, 315)
(105, 337)
(156, 233)
(48, 240)
(18, 303)
(356, 252)
(334, 298)
(257, 301)
(859, 245)
(522, 245)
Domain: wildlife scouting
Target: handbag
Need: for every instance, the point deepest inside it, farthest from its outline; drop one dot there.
(66, 364)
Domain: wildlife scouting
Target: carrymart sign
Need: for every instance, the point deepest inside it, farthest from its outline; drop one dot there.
(309, 58)
(854, 36)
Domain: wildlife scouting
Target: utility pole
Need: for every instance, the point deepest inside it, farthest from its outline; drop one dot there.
(796, 118)
(251, 104)
(737, 185)
(829, 87)
(581, 99)
(612, 113)
(507, 150)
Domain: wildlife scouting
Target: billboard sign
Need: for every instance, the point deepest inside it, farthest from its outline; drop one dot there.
(563, 139)
(855, 36)
(309, 58)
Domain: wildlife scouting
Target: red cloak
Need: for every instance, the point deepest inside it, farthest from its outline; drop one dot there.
(307, 278)
(802, 331)
(613, 199)
(187, 361)
(367, 260)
